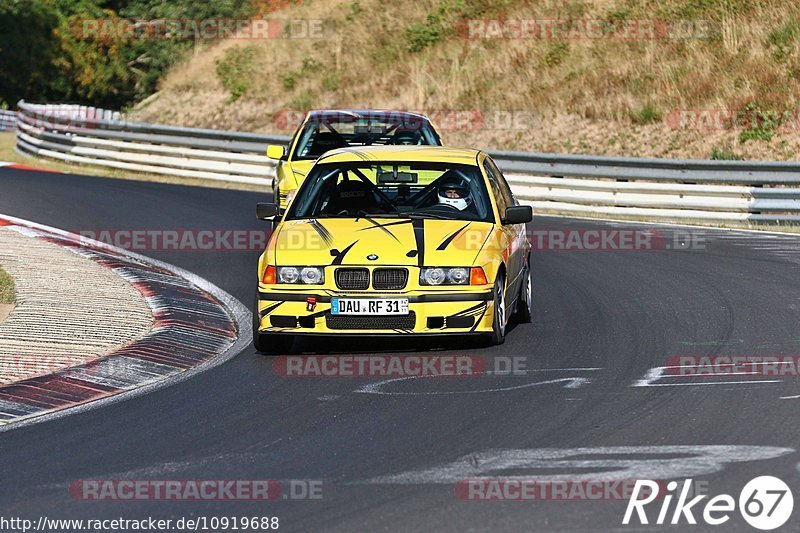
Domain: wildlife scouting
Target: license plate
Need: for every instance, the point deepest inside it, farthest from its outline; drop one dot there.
(369, 306)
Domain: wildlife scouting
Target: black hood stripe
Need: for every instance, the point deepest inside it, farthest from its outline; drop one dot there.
(338, 258)
(322, 231)
(382, 227)
(395, 223)
(445, 243)
(419, 238)
(379, 225)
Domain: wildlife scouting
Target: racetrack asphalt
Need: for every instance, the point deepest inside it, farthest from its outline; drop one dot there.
(607, 317)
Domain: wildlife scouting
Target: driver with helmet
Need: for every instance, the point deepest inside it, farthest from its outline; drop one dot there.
(454, 192)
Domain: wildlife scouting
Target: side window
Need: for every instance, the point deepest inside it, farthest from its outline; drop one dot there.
(497, 191)
(289, 146)
(501, 180)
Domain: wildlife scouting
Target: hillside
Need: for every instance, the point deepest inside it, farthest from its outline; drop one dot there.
(669, 87)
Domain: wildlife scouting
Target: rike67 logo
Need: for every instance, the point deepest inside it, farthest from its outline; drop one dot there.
(765, 503)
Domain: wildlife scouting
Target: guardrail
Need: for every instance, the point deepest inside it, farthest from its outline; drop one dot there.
(8, 120)
(655, 189)
(98, 137)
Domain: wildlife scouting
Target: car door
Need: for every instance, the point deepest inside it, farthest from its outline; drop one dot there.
(514, 236)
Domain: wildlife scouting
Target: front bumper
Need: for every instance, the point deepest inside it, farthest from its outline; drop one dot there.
(432, 312)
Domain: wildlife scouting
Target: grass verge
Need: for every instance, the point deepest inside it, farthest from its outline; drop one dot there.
(7, 293)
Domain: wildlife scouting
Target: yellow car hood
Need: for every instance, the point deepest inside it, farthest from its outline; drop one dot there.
(395, 241)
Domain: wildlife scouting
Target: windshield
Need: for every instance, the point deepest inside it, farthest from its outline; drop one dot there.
(431, 190)
(341, 130)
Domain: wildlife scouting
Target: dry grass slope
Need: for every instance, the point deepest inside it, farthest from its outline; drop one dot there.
(7, 292)
(590, 96)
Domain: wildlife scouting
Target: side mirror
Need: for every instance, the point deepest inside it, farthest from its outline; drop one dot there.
(518, 214)
(276, 151)
(266, 211)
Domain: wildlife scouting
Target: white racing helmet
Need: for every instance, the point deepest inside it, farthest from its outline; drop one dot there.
(453, 190)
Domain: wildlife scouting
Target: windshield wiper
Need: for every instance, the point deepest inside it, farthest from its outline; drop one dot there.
(360, 214)
(431, 215)
(390, 214)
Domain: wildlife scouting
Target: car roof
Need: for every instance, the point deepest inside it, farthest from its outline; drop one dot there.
(364, 113)
(402, 154)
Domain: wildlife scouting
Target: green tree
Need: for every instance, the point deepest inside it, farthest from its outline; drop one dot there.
(46, 53)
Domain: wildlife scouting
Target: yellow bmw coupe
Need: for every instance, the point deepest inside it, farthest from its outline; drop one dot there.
(395, 240)
(328, 129)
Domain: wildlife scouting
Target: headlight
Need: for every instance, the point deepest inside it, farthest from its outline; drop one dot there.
(444, 276)
(312, 275)
(431, 276)
(306, 275)
(288, 275)
(458, 276)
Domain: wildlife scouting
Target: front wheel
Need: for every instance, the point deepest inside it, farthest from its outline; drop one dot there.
(524, 311)
(499, 322)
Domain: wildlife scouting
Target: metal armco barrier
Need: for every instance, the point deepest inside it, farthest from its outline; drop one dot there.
(8, 120)
(101, 137)
(652, 189)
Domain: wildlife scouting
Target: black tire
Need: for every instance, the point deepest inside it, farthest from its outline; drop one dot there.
(524, 309)
(269, 343)
(500, 317)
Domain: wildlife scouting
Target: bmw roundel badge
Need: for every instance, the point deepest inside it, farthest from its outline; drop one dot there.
(372, 257)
